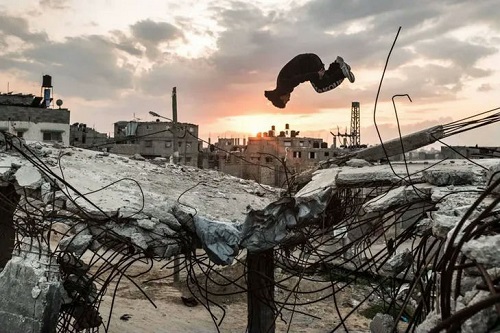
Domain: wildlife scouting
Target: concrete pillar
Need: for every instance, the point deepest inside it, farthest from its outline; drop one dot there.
(8, 201)
(31, 290)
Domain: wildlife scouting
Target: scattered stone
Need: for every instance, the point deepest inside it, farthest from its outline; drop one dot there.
(77, 244)
(484, 250)
(442, 224)
(146, 224)
(138, 157)
(398, 262)
(29, 177)
(444, 177)
(357, 163)
(382, 323)
(492, 176)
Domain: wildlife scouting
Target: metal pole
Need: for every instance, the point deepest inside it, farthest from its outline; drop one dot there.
(174, 125)
(175, 161)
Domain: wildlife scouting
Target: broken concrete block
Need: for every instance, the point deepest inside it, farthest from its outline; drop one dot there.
(31, 292)
(442, 224)
(139, 240)
(429, 323)
(220, 239)
(444, 177)
(382, 323)
(398, 262)
(492, 176)
(482, 321)
(377, 175)
(397, 197)
(357, 163)
(484, 250)
(146, 224)
(77, 244)
(29, 177)
(138, 157)
(321, 179)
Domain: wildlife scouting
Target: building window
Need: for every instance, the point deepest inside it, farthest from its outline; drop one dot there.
(297, 154)
(287, 143)
(327, 153)
(52, 136)
(269, 159)
(180, 144)
(20, 134)
(312, 155)
(148, 143)
(191, 129)
(168, 144)
(301, 143)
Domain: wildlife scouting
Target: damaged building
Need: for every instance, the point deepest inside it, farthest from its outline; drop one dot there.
(153, 139)
(354, 245)
(33, 117)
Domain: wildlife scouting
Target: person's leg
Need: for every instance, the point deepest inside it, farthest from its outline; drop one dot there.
(332, 78)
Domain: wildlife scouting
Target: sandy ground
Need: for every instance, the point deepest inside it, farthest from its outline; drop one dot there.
(171, 315)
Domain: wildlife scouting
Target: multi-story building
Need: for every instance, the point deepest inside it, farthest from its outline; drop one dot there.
(155, 139)
(269, 158)
(85, 137)
(32, 117)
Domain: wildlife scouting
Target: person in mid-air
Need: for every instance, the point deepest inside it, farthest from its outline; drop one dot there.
(308, 67)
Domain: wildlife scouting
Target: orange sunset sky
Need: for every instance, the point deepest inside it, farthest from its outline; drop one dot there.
(113, 60)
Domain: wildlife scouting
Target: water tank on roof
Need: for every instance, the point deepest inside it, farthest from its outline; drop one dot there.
(47, 81)
(273, 128)
(287, 126)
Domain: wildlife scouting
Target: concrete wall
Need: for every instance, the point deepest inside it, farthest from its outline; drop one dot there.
(125, 149)
(35, 115)
(155, 139)
(35, 131)
(87, 137)
(31, 123)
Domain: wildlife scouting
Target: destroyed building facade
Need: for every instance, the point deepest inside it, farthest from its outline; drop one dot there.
(263, 158)
(85, 137)
(153, 139)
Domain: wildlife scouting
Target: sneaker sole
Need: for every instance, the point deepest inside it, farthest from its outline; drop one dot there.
(346, 69)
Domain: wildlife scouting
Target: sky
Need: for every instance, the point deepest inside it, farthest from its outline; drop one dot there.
(115, 60)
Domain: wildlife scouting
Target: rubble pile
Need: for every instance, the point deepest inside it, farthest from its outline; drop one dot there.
(74, 202)
(158, 210)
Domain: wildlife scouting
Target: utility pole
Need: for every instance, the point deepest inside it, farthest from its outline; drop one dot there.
(175, 161)
(174, 125)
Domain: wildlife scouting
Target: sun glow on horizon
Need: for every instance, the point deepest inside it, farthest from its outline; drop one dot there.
(253, 124)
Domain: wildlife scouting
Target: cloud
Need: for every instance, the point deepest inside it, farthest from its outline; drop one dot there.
(152, 34)
(85, 66)
(19, 27)
(432, 60)
(485, 87)
(54, 4)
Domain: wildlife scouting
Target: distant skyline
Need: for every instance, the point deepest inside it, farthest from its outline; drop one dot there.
(113, 60)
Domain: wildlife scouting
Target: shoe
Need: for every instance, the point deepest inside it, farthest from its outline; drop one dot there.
(346, 69)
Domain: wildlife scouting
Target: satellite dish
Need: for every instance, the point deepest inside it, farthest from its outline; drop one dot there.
(59, 102)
